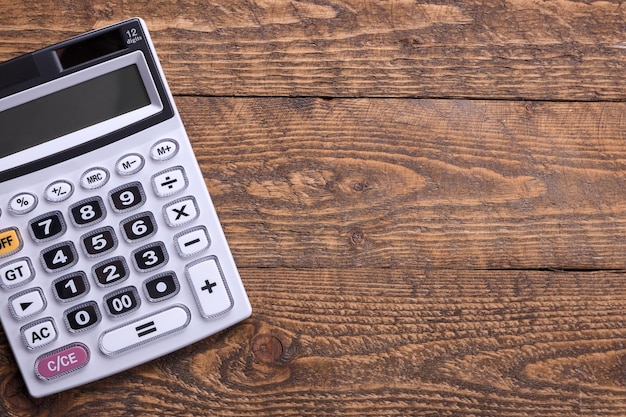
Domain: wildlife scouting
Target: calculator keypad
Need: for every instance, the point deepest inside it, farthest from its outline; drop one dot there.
(109, 257)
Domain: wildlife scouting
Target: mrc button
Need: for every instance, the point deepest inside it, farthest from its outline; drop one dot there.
(94, 178)
(10, 241)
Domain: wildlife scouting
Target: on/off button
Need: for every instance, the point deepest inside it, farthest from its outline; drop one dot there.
(10, 242)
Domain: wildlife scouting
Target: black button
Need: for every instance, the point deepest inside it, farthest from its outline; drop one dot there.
(161, 287)
(71, 286)
(127, 197)
(88, 211)
(111, 271)
(99, 242)
(138, 227)
(59, 256)
(122, 302)
(150, 257)
(82, 316)
(47, 226)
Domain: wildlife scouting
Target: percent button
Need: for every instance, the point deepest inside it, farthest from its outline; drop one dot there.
(22, 203)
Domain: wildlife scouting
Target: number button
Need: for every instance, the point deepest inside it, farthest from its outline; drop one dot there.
(59, 257)
(82, 317)
(47, 226)
(110, 272)
(150, 257)
(87, 212)
(70, 287)
(122, 302)
(99, 241)
(161, 287)
(127, 197)
(138, 227)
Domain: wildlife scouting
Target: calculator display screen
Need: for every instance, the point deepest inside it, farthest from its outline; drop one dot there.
(71, 109)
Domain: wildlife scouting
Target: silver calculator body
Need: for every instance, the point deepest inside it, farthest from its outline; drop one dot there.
(111, 252)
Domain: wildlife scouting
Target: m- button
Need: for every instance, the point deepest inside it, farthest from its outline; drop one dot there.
(10, 242)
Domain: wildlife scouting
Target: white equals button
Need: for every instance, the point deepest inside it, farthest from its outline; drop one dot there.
(146, 329)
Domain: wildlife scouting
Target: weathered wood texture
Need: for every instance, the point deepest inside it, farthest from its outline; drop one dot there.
(405, 253)
(532, 49)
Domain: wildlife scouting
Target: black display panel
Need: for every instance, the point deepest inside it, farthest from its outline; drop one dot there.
(72, 109)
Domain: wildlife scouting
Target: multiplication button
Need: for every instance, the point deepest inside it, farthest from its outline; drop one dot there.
(181, 211)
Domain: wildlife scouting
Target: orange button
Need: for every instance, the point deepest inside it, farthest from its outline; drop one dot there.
(10, 242)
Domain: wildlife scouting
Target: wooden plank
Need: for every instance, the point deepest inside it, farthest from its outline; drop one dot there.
(530, 49)
(415, 183)
(379, 342)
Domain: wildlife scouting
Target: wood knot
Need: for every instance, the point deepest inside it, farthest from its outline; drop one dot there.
(357, 237)
(267, 349)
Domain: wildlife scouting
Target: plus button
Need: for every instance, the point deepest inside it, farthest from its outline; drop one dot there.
(208, 286)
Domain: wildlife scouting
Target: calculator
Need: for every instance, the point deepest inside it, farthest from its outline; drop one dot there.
(111, 252)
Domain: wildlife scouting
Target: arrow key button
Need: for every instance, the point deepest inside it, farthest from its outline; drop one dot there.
(27, 303)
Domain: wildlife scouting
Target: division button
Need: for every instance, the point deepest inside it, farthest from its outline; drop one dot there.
(10, 241)
(144, 330)
(27, 303)
(209, 287)
(169, 182)
(39, 333)
(62, 361)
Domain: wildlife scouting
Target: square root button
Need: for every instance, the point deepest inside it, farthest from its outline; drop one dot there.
(209, 287)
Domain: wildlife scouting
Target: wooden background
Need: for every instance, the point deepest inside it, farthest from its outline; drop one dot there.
(426, 201)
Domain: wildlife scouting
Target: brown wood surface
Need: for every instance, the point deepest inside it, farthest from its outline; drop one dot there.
(426, 200)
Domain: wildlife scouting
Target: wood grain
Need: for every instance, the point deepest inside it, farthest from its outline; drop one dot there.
(425, 200)
(416, 183)
(516, 49)
(381, 342)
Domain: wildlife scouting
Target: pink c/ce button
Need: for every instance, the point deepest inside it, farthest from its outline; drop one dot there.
(61, 361)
